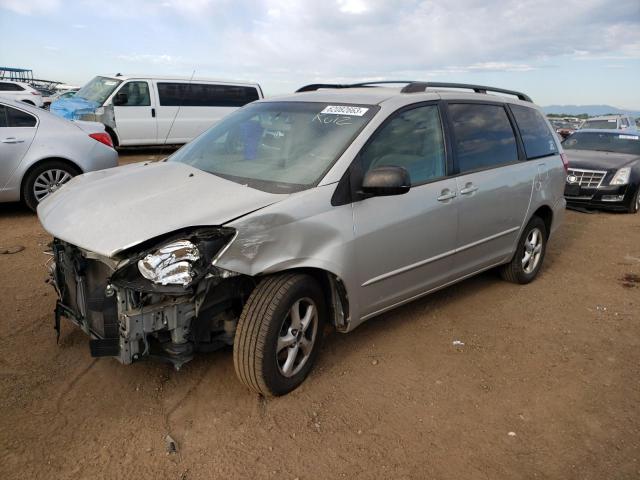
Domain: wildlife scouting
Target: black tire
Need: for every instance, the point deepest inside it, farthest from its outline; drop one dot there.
(634, 206)
(28, 194)
(265, 319)
(517, 272)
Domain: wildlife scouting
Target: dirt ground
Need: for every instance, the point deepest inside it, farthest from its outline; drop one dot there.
(546, 385)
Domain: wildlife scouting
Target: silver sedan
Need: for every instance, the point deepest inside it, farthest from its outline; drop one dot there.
(39, 152)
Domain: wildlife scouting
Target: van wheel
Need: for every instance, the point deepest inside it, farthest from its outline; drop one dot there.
(634, 206)
(45, 179)
(526, 263)
(279, 333)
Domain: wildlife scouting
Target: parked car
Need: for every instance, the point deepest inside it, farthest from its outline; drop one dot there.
(21, 92)
(610, 122)
(562, 128)
(604, 170)
(155, 110)
(59, 95)
(40, 152)
(328, 206)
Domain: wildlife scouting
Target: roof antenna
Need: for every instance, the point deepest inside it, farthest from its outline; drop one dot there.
(164, 144)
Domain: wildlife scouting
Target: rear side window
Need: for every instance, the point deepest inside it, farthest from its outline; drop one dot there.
(483, 136)
(204, 95)
(10, 87)
(413, 140)
(12, 117)
(537, 138)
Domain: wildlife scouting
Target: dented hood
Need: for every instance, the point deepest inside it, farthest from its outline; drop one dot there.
(111, 210)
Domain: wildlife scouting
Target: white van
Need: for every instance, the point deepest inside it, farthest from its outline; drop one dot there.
(151, 110)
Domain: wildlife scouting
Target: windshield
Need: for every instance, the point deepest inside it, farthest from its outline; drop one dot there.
(610, 124)
(279, 147)
(98, 89)
(605, 142)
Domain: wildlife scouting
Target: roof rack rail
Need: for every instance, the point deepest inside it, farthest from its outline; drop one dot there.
(415, 87)
(316, 86)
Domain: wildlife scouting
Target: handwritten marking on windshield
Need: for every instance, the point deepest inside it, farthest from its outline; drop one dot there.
(336, 120)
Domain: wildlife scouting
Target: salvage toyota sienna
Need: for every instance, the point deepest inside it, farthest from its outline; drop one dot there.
(328, 206)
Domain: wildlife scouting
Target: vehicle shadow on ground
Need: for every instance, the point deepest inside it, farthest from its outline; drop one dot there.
(15, 209)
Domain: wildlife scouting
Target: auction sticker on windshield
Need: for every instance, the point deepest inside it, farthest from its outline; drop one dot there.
(629, 137)
(345, 110)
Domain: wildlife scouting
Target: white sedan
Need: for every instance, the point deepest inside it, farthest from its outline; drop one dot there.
(39, 151)
(22, 92)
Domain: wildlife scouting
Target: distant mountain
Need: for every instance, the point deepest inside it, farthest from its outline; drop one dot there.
(591, 110)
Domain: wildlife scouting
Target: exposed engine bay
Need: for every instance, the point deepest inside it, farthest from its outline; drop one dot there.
(165, 300)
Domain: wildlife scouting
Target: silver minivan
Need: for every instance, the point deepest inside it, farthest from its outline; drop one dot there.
(325, 207)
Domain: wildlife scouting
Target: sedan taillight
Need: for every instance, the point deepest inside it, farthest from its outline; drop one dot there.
(102, 138)
(565, 162)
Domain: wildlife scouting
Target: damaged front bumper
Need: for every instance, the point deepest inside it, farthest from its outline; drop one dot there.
(129, 317)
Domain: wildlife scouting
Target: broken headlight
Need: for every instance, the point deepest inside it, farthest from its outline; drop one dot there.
(171, 264)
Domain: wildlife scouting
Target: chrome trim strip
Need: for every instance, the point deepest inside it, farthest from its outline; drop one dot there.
(415, 297)
(421, 263)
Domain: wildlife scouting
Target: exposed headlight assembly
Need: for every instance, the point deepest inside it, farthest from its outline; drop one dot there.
(621, 177)
(171, 264)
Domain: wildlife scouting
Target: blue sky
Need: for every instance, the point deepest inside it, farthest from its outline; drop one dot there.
(568, 52)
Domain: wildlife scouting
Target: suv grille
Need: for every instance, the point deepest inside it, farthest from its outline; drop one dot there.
(587, 178)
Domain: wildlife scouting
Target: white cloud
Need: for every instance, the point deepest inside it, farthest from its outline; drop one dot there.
(352, 6)
(354, 39)
(28, 7)
(153, 59)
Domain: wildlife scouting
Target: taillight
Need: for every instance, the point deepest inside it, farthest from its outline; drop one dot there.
(36, 93)
(102, 138)
(565, 162)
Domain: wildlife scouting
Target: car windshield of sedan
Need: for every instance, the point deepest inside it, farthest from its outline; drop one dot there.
(98, 89)
(604, 142)
(278, 147)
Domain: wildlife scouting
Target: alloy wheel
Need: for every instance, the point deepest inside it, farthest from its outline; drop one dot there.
(48, 182)
(532, 250)
(297, 337)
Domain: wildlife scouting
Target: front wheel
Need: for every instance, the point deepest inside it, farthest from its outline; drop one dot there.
(634, 206)
(45, 179)
(526, 263)
(279, 333)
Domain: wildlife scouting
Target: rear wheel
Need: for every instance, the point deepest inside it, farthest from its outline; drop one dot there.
(634, 206)
(526, 263)
(45, 179)
(279, 333)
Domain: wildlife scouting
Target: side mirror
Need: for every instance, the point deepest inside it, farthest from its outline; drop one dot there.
(120, 99)
(383, 181)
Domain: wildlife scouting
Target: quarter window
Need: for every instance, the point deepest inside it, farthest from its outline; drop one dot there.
(483, 135)
(205, 95)
(12, 117)
(137, 94)
(538, 140)
(413, 140)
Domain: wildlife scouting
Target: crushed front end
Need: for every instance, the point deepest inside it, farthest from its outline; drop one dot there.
(164, 299)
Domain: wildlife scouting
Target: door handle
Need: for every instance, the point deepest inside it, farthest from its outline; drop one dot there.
(446, 194)
(469, 188)
(153, 112)
(11, 140)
